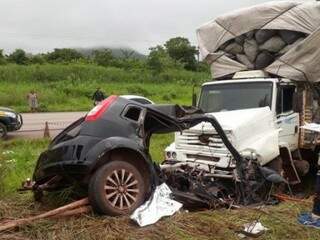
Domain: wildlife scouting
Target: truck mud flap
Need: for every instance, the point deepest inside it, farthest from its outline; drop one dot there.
(291, 174)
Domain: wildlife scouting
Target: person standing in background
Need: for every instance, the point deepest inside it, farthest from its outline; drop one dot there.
(32, 101)
(98, 96)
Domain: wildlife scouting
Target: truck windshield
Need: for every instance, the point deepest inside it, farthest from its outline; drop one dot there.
(235, 96)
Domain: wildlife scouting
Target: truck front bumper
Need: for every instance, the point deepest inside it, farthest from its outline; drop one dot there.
(220, 160)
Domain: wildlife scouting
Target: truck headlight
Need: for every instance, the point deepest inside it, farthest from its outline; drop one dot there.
(168, 154)
(174, 155)
(10, 114)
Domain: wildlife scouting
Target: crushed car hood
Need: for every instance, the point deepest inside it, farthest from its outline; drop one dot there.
(249, 130)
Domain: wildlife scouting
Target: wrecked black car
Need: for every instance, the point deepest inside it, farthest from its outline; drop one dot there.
(108, 152)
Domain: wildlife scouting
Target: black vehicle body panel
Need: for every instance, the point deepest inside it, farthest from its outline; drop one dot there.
(12, 124)
(76, 156)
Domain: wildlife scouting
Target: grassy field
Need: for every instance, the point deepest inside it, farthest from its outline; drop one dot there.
(70, 87)
(17, 159)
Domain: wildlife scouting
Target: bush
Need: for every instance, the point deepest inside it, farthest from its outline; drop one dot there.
(137, 90)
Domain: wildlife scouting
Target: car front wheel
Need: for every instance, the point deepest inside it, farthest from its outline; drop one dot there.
(117, 188)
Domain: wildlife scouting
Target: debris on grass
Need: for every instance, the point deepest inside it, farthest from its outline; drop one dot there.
(75, 208)
(254, 229)
(159, 205)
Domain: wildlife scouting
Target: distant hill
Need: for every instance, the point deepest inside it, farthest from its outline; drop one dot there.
(116, 52)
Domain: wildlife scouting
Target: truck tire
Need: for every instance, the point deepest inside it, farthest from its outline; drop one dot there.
(117, 188)
(3, 131)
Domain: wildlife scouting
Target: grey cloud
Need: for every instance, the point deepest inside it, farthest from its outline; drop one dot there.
(41, 25)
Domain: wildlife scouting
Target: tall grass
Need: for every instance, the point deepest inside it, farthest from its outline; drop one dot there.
(78, 72)
(17, 160)
(70, 87)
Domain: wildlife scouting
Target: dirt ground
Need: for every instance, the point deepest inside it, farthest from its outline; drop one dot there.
(281, 220)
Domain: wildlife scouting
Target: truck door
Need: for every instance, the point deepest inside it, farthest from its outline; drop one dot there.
(287, 119)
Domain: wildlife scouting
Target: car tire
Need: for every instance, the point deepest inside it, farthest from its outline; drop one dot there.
(3, 131)
(117, 188)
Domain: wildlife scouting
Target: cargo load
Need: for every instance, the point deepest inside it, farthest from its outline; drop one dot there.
(281, 38)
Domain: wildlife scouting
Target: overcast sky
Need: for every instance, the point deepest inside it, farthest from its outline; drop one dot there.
(41, 25)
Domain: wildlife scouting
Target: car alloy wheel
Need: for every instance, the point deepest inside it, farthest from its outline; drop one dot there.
(121, 189)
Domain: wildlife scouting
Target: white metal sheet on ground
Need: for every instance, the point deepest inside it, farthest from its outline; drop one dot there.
(158, 206)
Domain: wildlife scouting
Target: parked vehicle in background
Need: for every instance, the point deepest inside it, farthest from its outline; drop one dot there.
(139, 99)
(9, 121)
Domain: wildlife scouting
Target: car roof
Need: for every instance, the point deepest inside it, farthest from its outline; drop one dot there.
(135, 97)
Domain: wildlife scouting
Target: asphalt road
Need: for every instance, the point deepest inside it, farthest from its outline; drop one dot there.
(34, 124)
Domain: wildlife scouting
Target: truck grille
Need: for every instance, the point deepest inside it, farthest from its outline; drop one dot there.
(196, 143)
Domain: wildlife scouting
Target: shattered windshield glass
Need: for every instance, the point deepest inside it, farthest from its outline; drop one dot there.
(235, 96)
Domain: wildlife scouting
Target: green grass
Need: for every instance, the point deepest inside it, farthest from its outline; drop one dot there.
(60, 96)
(17, 160)
(70, 87)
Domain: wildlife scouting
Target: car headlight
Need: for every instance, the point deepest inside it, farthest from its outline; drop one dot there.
(10, 114)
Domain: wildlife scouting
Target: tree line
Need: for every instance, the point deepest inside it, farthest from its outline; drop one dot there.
(176, 53)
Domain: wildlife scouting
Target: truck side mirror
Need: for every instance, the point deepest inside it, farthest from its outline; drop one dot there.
(194, 99)
(297, 102)
(194, 96)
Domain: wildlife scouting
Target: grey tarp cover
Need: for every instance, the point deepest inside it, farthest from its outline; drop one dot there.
(299, 63)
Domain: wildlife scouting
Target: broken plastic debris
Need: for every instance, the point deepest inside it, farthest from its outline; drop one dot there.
(159, 205)
(309, 220)
(255, 228)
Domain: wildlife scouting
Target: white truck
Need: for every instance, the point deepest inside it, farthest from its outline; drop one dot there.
(266, 72)
(261, 116)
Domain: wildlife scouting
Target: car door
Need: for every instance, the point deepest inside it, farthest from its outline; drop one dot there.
(287, 119)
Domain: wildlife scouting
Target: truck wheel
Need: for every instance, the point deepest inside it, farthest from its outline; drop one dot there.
(117, 188)
(3, 131)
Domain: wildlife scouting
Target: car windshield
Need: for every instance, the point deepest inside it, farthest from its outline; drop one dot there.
(235, 96)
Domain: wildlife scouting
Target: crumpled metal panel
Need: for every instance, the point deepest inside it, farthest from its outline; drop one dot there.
(159, 205)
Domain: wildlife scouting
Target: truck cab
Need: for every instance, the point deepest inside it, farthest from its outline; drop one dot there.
(242, 97)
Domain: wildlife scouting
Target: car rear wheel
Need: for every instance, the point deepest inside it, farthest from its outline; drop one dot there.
(117, 188)
(3, 131)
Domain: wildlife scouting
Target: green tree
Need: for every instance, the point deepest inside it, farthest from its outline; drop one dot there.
(180, 49)
(37, 59)
(159, 60)
(156, 58)
(19, 57)
(2, 58)
(103, 57)
(63, 55)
